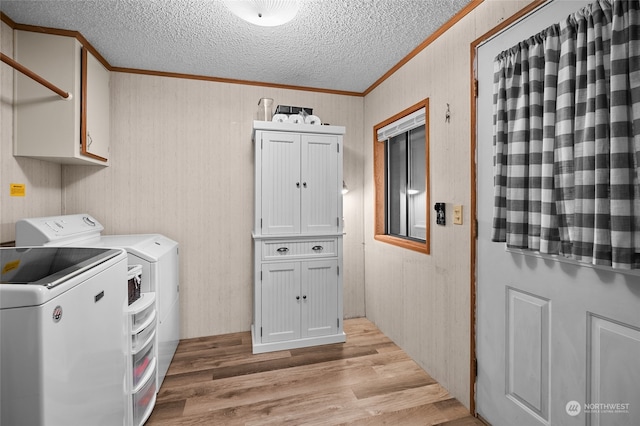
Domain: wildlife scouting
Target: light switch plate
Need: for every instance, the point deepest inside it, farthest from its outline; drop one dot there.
(457, 215)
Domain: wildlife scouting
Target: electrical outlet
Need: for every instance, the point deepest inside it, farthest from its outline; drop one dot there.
(457, 215)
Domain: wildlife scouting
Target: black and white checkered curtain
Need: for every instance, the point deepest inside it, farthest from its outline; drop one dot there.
(567, 138)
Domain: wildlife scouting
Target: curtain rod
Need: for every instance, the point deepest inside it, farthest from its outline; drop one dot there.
(26, 71)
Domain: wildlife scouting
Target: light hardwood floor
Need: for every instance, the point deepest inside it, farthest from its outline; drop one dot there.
(366, 381)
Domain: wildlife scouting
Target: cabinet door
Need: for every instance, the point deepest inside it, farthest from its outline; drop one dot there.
(319, 206)
(280, 183)
(46, 125)
(95, 122)
(281, 301)
(319, 298)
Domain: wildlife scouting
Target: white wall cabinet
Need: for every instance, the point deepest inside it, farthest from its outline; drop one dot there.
(300, 185)
(297, 236)
(299, 300)
(48, 127)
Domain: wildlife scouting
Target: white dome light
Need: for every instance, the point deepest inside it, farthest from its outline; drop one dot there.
(266, 13)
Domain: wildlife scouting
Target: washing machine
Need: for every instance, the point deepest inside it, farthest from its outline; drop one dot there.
(62, 337)
(157, 254)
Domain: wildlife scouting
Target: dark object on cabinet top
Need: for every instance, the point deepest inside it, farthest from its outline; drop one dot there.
(286, 109)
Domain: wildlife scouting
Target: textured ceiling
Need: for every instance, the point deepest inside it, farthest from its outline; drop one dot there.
(344, 45)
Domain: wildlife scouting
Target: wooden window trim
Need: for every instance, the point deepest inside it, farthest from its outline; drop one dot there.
(379, 180)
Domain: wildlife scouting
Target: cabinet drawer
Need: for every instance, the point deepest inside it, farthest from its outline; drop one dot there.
(322, 247)
(142, 362)
(144, 400)
(142, 337)
(142, 312)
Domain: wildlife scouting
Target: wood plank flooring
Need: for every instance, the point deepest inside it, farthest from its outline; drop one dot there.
(366, 381)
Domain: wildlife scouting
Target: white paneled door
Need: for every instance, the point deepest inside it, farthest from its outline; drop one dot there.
(281, 183)
(319, 186)
(557, 343)
(281, 301)
(320, 298)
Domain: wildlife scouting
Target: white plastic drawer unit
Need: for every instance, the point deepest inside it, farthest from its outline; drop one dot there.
(280, 249)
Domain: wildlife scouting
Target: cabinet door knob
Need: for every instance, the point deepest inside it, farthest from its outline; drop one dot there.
(317, 248)
(304, 297)
(283, 249)
(297, 297)
(297, 184)
(304, 184)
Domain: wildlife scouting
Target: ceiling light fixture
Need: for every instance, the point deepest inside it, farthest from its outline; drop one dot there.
(266, 13)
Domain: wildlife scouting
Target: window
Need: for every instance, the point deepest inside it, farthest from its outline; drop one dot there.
(401, 158)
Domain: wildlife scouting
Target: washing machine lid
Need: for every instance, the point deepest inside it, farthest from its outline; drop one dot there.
(32, 276)
(49, 266)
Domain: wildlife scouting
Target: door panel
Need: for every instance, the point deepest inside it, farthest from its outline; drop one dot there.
(320, 293)
(96, 140)
(527, 360)
(553, 337)
(280, 301)
(320, 185)
(281, 183)
(613, 370)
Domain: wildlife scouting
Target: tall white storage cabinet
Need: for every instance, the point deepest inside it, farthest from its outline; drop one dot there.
(297, 236)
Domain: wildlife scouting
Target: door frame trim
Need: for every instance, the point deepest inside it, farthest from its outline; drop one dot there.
(474, 212)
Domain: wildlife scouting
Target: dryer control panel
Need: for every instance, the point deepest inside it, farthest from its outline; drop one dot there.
(56, 230)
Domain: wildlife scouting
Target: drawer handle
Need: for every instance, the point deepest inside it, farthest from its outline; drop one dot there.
(317, 248)
(283, 249)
